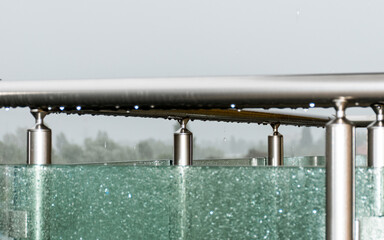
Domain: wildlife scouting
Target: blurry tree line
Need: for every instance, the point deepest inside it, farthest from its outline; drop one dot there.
(104, 149)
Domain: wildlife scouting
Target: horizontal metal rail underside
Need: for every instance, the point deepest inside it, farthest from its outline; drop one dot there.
(198, 92)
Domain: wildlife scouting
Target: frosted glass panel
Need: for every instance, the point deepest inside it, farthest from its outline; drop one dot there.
(169, 202)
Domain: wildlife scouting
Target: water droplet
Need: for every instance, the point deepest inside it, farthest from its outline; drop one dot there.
(106, 191)
(211, 212)
(314, 211)
(53, 204)
(280, 210)
(312, 105)
(136, 107)
(78, 108)
(233, 105)
(129, 195)
(61, 108)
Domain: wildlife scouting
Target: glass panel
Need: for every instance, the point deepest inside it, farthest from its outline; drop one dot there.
(168, 202)
(231, 162)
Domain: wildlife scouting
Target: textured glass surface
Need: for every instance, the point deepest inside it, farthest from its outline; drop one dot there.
(231, 162)
(168, 202)
(315, 161)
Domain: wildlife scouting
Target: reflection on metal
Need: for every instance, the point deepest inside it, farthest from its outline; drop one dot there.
(357, 230)
(376, 138)
(339, 175)
(39, 140)
(198, 92)
(222, 115)
(275, 147)
(183, 145)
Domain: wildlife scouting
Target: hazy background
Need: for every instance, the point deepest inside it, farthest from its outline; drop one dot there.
(80, 39)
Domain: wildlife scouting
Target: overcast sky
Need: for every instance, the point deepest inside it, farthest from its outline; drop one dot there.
(80, 39)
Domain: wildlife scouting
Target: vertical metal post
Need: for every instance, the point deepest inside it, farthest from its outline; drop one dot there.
(39, 140)
(376, 138)
(39, 153)
(275, 147)
(183, 145)
(376, 156)
(339, 175)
